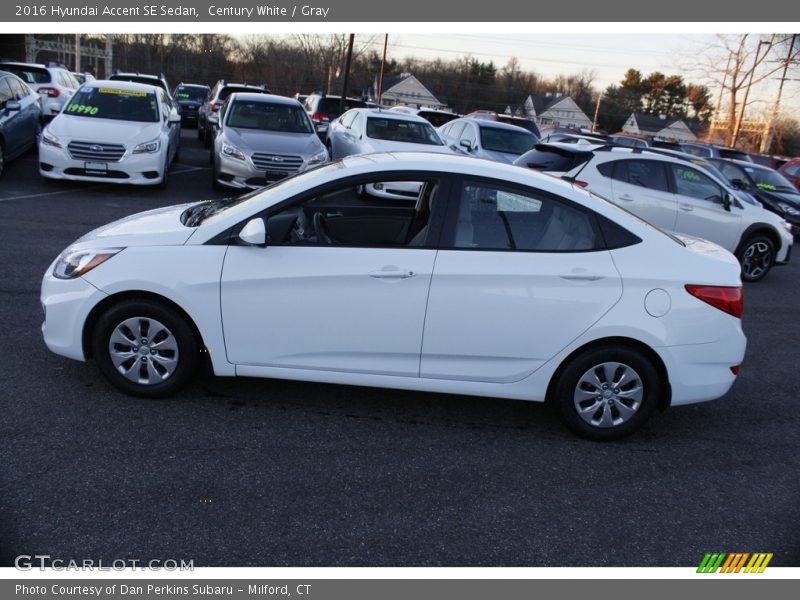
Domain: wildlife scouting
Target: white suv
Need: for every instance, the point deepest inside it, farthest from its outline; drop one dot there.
(683, 198)
(55, 85)
(112, 131)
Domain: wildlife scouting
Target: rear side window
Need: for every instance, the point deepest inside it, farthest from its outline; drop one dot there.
(5, 91)
(649, 174)
(494, 217)
(551, 159)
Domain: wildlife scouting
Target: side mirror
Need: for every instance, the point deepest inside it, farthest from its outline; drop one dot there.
(465, 144)
(13, 105)
(254, 233)
(174, 117)
(727, 200)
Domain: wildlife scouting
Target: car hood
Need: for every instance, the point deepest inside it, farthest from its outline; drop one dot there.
(102, 130)
(304, 144)
(159, 227)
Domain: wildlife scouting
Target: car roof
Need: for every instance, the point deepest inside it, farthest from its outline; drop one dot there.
(24, 64)
(487, 124)
(393, 115)
(265, 98)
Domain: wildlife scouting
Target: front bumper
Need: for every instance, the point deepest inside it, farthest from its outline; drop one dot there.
(135, 169)
(243, 174)
(66, 304)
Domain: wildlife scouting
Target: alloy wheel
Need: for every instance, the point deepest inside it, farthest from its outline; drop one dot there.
(143, 350)
(608, 394)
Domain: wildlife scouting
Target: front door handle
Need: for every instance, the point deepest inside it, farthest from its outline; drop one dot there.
(626, 197)
(582, 277)
(686, 207)
(393, 274)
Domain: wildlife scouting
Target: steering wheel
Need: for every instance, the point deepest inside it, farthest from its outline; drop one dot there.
(321, 229)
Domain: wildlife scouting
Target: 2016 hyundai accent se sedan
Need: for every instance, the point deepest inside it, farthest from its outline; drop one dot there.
(497, 282)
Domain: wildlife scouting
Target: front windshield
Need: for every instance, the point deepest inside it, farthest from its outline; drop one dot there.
(267, 116)
(509, 141)
(395, 130)
(769, 180)
(195, 93)
(114, 103)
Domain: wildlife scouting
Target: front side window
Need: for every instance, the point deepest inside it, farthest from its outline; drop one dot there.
(266, 116)
(649, 174)
(395, 130)
(114, 103)
(691, 182)
(493, 217)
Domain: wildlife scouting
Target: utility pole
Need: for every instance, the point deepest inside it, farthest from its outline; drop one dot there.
(596, 111)
(738, 126)
(383, 64)
(77, 52)
(346, 81)
(766, 143)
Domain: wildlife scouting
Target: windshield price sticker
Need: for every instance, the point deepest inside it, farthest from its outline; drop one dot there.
(122, 92)
(767, 187)
(84, 109)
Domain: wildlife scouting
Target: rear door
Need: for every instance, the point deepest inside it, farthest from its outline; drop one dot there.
(700, 209)
(519, 275)
(641, 186)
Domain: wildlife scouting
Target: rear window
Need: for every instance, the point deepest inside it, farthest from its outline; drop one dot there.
(31, 75)
(330, 106)
(139, 79)
(735, 155)
(495, 139)
(394, 130)
(551, 159)
(436, 119)
(235, 89)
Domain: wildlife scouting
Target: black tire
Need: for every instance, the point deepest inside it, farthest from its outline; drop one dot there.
(141, 311)
(206, 139)
(162, 184)
(216, 185)
(200, 131)
(330, 150)
(757, 257)
(599, 402)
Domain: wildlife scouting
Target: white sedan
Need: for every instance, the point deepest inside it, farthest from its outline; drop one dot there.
(112, 131)
(497, 282)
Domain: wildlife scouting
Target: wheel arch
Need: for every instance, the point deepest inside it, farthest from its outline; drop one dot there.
(759, 229)
(109, 301)
(631, 343)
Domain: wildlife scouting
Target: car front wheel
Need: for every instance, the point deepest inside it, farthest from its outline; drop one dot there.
(145, 348)
(757, 256)
(607, 393)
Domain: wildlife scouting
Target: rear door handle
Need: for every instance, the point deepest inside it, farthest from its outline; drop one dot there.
(686, 207)
(582, 277)
(392, 275)
(626, 197)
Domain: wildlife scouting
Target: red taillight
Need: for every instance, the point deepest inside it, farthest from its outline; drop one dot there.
(581, 184)
(320, 117)
(216, 106)
(727, 299)
(51, 92)
(735, 369)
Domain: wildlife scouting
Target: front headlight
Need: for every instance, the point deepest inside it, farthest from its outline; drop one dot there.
(318, 158)
(788, 208)
(76, 263)
(48, 139)
(150, 147)
(232, 152)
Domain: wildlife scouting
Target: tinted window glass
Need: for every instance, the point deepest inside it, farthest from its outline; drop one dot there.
(28, 74)
(394, 130)
(491, 217)
(194, 93)
(330, 106)
(113, 103)
(645, 173)
(5, 91)
(268, 117)
(507, 140)
(436, 119)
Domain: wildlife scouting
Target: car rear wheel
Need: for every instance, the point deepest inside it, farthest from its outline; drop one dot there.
(607, 393)
(757, 256)
(145, 348)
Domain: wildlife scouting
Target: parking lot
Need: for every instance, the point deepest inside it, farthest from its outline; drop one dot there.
(259, 472)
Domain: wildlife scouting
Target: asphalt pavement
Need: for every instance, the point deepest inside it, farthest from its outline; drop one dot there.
(249, 472)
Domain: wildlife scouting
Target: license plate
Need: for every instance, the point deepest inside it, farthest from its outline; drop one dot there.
(95, 167)
(273, 175)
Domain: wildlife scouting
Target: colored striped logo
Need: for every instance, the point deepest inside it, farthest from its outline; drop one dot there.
(734, 563)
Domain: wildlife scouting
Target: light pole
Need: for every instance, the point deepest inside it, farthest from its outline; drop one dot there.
(738, 125)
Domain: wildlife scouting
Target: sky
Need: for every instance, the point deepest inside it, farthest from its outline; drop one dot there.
(607, 55)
